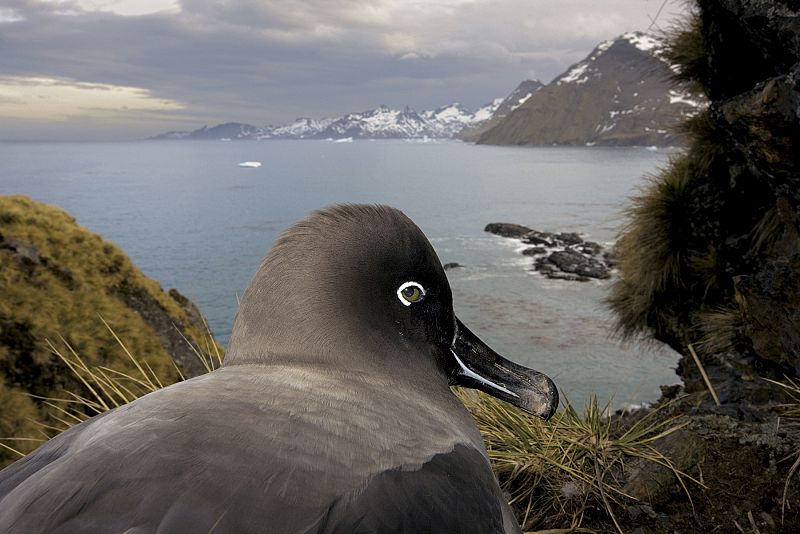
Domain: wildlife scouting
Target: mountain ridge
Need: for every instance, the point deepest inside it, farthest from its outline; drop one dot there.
(620, 94)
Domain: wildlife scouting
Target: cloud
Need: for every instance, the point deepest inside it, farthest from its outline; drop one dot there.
(269, 61)
(52, 99)
(9, 15)
(118, 7)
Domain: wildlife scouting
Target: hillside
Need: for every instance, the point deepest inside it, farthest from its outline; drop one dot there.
(57, 280)
(518, 96)
(620, 94)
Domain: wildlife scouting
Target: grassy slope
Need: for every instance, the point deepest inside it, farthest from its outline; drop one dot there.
(57, 279)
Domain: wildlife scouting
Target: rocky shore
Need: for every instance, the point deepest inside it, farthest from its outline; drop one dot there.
(559, 256)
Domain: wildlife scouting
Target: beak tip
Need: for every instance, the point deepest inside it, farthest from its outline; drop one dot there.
(542, 401)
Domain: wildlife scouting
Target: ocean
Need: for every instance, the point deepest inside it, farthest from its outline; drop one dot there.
(191, 218)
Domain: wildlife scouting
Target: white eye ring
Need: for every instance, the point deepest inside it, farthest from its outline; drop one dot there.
(405, 286)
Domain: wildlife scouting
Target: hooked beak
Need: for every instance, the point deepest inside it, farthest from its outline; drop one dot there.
(479, 367)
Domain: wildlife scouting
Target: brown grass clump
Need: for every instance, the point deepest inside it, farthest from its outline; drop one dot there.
(652, 252)
(720, 330)
(557, 471)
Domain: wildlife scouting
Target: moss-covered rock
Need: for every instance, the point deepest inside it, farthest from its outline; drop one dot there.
(57, 280)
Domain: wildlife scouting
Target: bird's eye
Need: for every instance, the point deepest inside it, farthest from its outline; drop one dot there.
(410, 292)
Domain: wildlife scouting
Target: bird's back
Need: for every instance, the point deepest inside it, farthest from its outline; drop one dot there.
(254, 448)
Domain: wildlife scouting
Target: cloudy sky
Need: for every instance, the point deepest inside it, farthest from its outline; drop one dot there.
(125, 69)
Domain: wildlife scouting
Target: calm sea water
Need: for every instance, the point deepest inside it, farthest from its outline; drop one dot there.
(192, 219)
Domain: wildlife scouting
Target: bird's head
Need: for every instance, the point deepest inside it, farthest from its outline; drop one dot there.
(361, 285)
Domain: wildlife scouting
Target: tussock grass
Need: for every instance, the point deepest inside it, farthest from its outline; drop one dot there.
(652, 252)
(792, 389)
(720, 329)
(56, 277)
(556, 471)
(687, 50)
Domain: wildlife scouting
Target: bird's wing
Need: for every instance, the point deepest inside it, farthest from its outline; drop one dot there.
(453, 492)
(179, 460)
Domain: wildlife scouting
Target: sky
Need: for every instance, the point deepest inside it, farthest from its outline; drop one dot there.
(127, 69)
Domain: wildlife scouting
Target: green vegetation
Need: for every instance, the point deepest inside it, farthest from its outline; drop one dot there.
(57, 281)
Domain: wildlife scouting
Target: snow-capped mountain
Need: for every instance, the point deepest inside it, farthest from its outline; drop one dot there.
(379, 123)
(301, 128)
(448, 121)
(620, 94)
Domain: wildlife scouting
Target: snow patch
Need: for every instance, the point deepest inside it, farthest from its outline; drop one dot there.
(575, 74)
(643, 41)
(521, 101)
(676, 97)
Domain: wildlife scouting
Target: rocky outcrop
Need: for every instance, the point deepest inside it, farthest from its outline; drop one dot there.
(710, 256)
(558, 256)
(709, 263)
(736, 462)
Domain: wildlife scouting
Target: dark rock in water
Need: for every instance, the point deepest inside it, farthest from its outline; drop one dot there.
(537, 238)
(573, 261)
(590, 247)
(534, 251)
(555, 274)
(451, 265)
(560, 256)
(570, 238)
(567, 260)
(507, 230)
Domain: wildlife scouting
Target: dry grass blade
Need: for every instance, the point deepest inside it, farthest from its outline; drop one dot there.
(130, 356)
(12, 449)
(210, 361)
(792, 389)
(76, 367)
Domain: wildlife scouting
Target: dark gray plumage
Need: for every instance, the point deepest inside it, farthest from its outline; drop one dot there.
(332, 412)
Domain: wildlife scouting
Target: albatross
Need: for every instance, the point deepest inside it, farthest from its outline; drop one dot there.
(332, 412)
